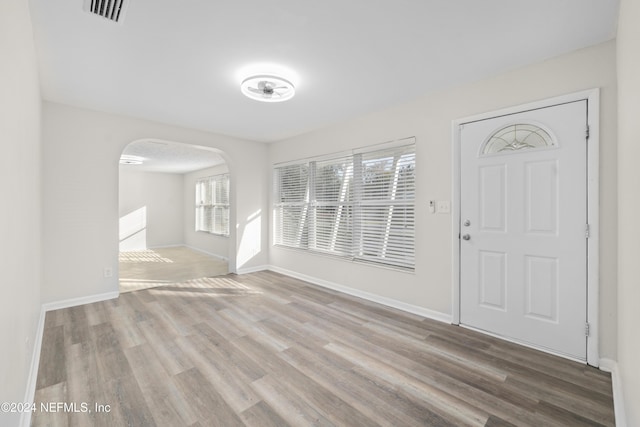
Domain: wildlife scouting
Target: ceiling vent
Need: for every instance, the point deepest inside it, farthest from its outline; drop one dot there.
(113, 10)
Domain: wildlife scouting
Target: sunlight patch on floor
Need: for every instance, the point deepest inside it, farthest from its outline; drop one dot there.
(167, 266)
(206, 286)
(143, 256)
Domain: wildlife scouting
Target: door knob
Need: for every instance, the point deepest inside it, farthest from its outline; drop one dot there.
(466, 223)
(466, 237)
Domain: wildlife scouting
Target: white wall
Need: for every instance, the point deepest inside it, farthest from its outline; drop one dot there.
(205, 242)
(81, 149)
(20, 215)
(429, 120)
(158, 209)
(150, 209)
(629, 206)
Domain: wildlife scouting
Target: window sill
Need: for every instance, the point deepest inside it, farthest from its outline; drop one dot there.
(212, 234)
(349, 259)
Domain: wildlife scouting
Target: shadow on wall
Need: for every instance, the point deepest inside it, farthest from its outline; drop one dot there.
(133, 230)
(250, 236)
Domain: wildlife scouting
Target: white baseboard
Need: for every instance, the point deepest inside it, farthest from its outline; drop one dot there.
(611, 366)
(206, 253)
(389, 302)
(150, 248)
(193, 248)
(56, 305)
(248, 270)
(25, 418)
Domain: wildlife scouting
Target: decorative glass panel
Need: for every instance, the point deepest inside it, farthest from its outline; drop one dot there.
(518, 137)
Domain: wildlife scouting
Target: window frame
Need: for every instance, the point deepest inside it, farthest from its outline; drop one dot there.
(212, 209)
(350, 220)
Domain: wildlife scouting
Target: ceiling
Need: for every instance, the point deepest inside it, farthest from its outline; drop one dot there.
(169, 157)
(182, 62)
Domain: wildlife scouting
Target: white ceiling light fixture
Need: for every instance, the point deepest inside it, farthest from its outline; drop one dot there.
(126, 159)
(267, 88)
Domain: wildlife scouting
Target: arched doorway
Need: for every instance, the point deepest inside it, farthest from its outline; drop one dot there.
(175, 211)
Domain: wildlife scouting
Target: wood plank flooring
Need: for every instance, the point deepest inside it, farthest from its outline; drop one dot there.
(162, 266)
(265, 350)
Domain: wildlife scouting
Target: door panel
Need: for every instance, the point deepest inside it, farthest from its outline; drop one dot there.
(493, 198)
(523, 209)
(541, 297)
(493, 280)
(542, 197)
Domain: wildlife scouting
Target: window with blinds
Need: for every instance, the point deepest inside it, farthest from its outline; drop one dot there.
(212, 204)
(331, 225)
(359, 206)
(292, 200)
(386, 212)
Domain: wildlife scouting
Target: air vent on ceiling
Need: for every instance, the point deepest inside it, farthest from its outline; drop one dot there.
(112, 10)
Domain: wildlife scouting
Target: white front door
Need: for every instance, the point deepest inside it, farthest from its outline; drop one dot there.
(523, 210)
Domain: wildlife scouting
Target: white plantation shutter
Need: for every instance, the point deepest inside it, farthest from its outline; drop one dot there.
(212, 204)
(359, 206)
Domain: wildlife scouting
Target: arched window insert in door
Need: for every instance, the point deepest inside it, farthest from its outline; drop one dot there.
(518, 137)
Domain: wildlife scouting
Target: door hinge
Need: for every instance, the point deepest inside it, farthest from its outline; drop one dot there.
(587, 132)
(587, 329)
(587, 231)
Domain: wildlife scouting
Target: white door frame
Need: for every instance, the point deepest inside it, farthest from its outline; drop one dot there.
(593, 199)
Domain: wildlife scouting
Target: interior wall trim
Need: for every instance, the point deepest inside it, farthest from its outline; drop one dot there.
(389, 302)
(248, 270)
(72, 302)
(193, 248)
(611, 366)
(25, 417)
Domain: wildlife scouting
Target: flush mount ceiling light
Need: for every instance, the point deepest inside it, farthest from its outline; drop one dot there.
(126, 159)
(267, 88)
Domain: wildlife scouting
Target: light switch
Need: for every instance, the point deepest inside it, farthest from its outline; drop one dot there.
(443, 207)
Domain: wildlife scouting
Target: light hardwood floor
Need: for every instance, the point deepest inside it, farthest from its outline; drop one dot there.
(162, 266)
(264, 349)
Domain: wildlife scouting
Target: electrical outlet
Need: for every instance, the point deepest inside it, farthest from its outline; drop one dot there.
(443, 207)
(108, 272)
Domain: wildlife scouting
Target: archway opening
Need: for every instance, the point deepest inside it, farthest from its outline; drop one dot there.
(175, 215)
